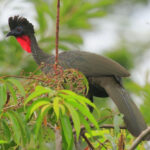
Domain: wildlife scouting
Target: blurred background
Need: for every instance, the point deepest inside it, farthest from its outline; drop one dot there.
(119, 29)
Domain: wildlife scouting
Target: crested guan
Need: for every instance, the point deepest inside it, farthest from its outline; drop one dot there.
(104, 75)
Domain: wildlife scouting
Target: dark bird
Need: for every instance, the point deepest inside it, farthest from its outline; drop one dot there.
(104, 75)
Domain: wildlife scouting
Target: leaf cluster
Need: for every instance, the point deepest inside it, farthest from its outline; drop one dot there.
(23, 109)
(31, 113)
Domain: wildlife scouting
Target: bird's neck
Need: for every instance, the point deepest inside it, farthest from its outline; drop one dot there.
(39, 55)
(29, 44)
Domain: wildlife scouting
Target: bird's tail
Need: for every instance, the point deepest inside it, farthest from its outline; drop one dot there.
(132, 116)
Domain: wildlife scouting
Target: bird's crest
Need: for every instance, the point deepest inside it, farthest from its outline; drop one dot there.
(20, 21)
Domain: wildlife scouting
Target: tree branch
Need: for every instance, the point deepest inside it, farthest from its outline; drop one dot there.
(140, 138)
(106, 126)
(22, 77)
(87, 140)
(57, 32)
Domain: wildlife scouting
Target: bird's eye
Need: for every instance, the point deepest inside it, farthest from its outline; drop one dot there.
(19, 29)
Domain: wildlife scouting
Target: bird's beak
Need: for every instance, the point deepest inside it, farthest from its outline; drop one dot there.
(10, 34)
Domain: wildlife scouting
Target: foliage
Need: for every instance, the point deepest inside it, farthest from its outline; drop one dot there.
(30, 112)
(21, 121)
(30, 116)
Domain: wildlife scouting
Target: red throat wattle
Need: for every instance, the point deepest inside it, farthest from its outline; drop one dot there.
(25, 42)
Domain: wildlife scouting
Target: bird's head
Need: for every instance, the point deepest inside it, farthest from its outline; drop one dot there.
(21, 28)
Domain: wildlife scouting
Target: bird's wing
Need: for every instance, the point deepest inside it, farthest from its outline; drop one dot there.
(91, 65)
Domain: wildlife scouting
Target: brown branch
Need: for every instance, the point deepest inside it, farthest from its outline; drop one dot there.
(103, 144)
(8, 107)
(140, 138)
(51, 126)
(22, 77)
(111, 126)
(106, 126)
(121, 143)
(87, 140)
(57, 32)
(12, 107)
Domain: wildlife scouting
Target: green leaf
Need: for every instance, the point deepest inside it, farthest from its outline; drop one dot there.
(19, 127)
(73, 38)
(62, 108)
(85, 82)
(15, 126)
(112, 140)
(67, 130)
(118, 119)
(39, 90)
(18, 85)
(85, 123)
(35, 105)
(6, 130)
(3, 142)
(56, 106)
(43, 112)
(105, 2)
(23, 127)
(11, 90)
(75, 118)
(84, 110)
(64, 142)
(80, 99)
(3, 95)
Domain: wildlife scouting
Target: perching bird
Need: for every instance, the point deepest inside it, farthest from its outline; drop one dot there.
(104, 75)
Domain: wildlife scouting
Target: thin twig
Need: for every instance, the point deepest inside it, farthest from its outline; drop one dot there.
(101, 144)
(22, 77)
(8, 107)
(87, 140)
(121, 142)
(104, 143)
(106, 126)
(111, 126)
(140, 138)
(51, 126)
(57, 32)
(13, 107)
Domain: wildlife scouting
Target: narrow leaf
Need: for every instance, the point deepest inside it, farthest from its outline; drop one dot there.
(43, 112)
(15, 126)
(117, 122)
(22, 126)
(67, 129)
(3, 95)
(85, 111)
(85, 123)
(39, 90)
(79, 98)
(3, 142)
(18, 85)
(56, 106)
(35, 105)
(6, 130)
(62, 108)
(12, 91)
(75, 118)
